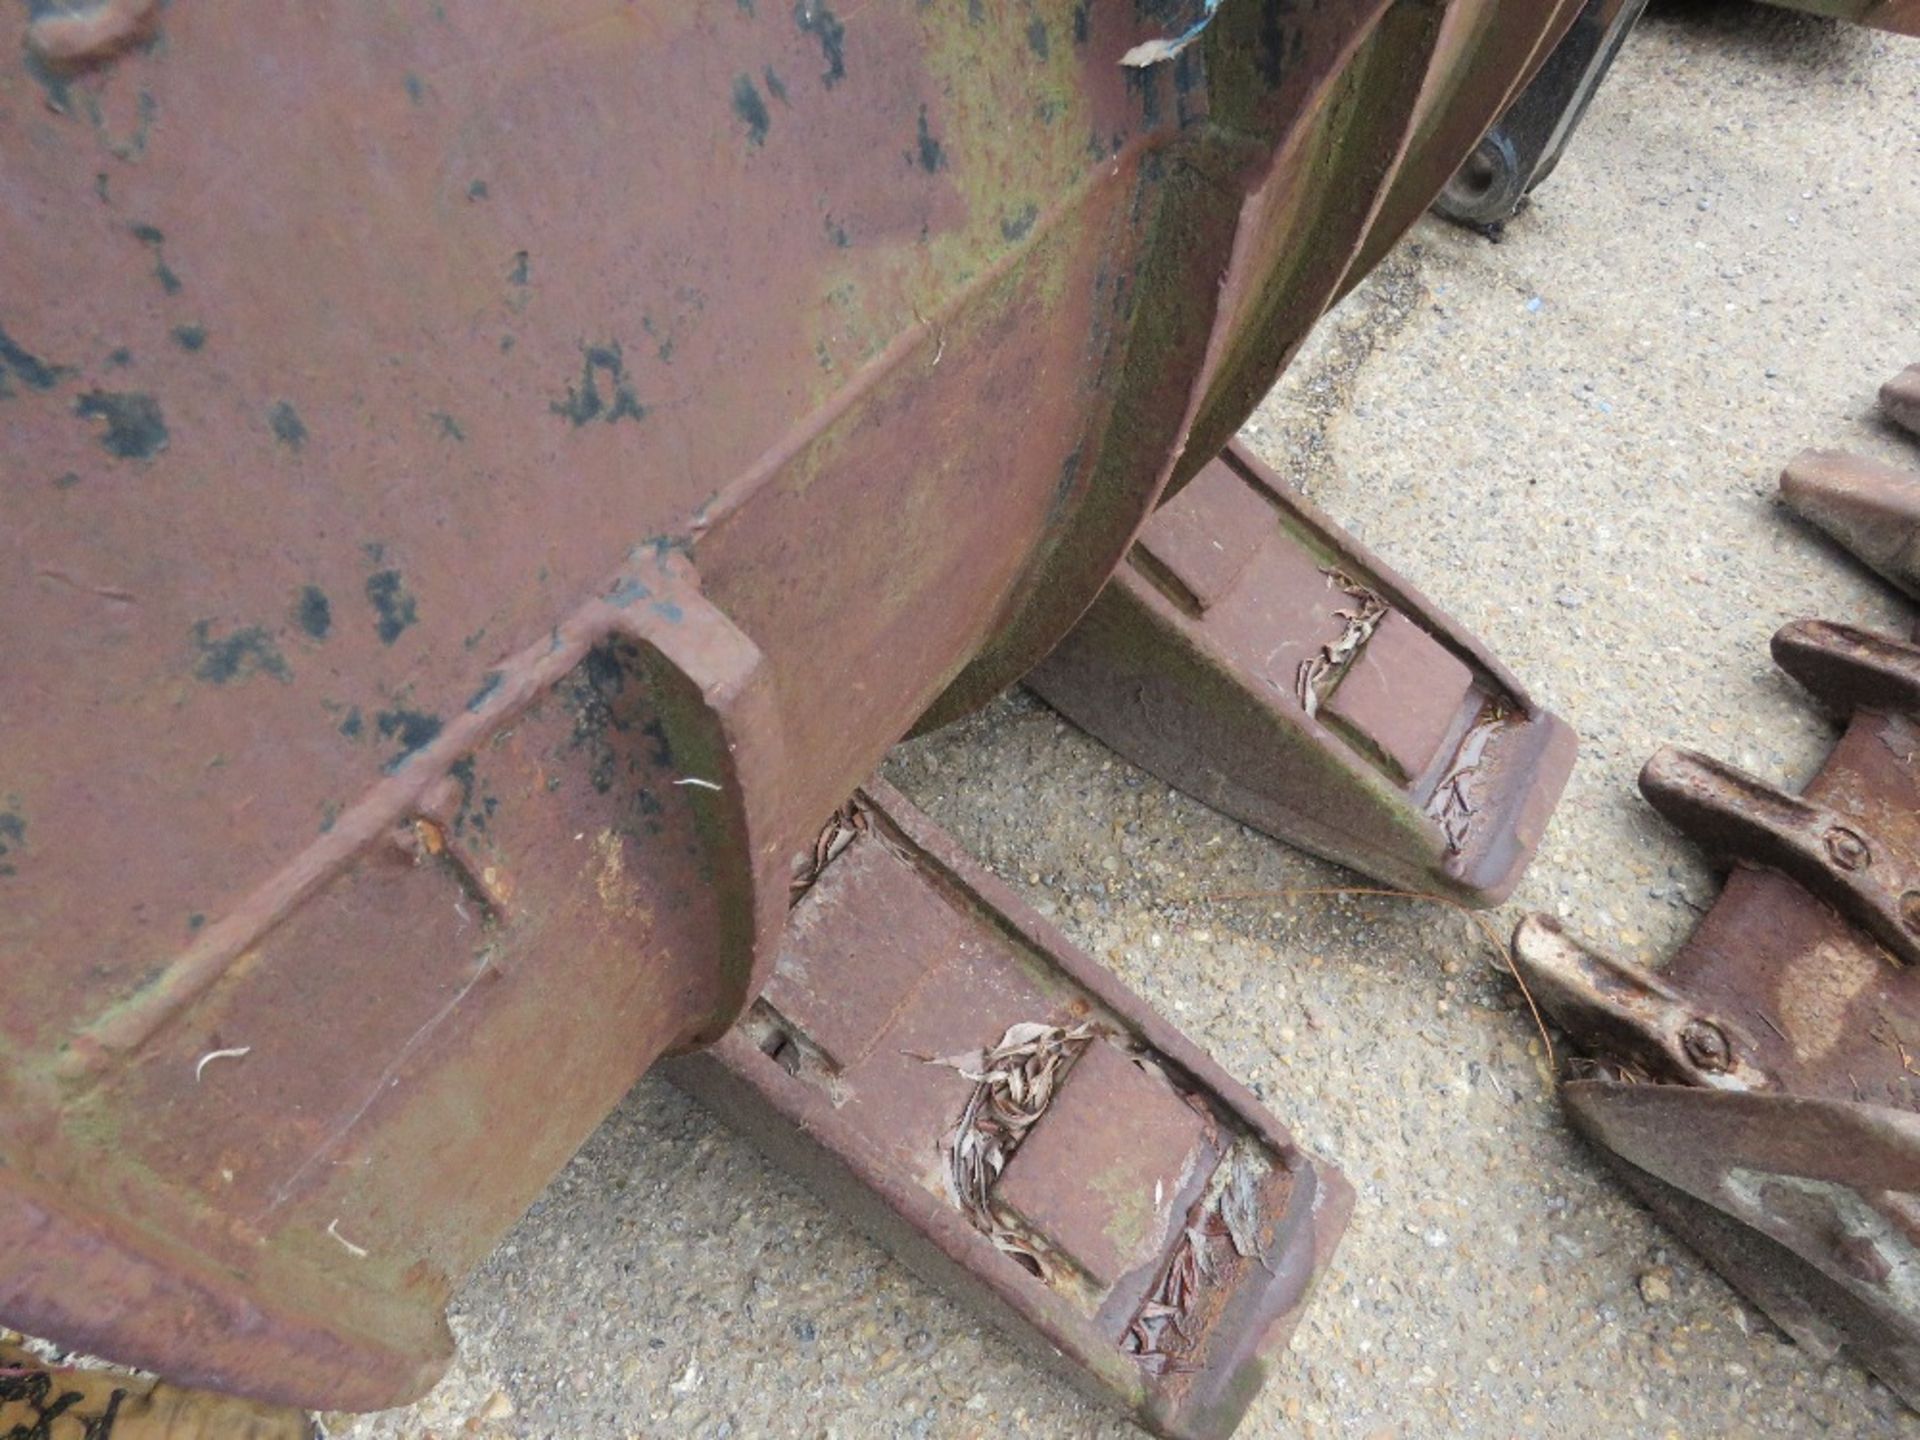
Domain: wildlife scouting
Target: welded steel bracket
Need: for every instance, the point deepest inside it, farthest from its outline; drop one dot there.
(1256, 656)
(936, 1060)
(1762, 1094)
(644, 724)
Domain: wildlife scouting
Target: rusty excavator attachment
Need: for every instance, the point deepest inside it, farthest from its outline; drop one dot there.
(480, 497)
(1762, 1092)
(940, 1063)
(1253, 654)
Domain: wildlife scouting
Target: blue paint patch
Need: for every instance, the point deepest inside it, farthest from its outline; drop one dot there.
(488, 685)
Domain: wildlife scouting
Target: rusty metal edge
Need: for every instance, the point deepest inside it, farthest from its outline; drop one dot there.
(735, 692)
(212, 1319)
(1900, 398)
(800, 1129)
(1822, 1318)
(1059, 586)
(213, 1327)
(1734, 815)
(1548, 749)
(1402, 42)
(1862, 1147)
(1454, 132)
(1870, 508)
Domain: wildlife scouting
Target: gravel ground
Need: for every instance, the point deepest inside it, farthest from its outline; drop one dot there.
(1571, 439)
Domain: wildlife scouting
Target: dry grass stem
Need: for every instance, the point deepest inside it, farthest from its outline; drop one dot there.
(1487, 931)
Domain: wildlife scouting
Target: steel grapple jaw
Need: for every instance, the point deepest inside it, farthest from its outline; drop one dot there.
(1762, 1093)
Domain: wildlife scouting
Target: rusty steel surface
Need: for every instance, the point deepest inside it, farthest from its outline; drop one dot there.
(1416, 758)
(1902, 17)
(1176, 1228)
(1762, 1092)
(1420, 84)
(483, 482)
(1871, 508)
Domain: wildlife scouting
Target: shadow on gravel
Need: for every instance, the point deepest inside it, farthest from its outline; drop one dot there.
(1812, 45)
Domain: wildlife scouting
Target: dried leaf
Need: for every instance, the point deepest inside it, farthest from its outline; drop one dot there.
(1229, 1211)
(840, 831)
(1240, 1209)
(1318, 672)
(1202, 1251)
(1013, 1085)
(1023, 1035)
(970, 1063)
(1452, 803)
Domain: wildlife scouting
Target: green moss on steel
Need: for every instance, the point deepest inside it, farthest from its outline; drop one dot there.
(1353, 135)
(1186, 213)
(1131, 1226)
(1005, 175)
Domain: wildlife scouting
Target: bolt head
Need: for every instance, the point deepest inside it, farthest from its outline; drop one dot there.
(1706, 1046)
(1848, 849)
(1910, 910)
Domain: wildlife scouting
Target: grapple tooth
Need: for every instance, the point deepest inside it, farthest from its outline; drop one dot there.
(1871, 508)
(1253, 654)
(1762, 1092)
(1846, 668)
(1093, 1238)
(1618, 1010)
(1794, 1199)
(1833, 856)
(1900, 398)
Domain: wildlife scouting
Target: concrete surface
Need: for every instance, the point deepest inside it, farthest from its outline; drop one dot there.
(1571, 439)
